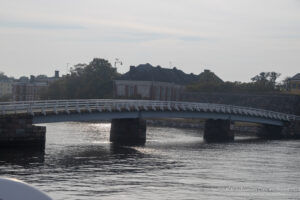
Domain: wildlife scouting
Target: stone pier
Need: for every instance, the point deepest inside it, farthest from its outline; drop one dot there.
(267, 131)
(218, 131)
(18, 131)
(128, 131)
(294, 129)
(291, 130)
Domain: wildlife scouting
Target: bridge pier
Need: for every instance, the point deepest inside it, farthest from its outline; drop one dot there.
(18, 131)
(218, 131)
(294, 129)
(267, 131)
(128, 131)
(291, 130)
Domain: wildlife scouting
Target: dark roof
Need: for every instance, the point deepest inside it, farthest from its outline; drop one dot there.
(147, 72)
(296, 77)
(208, 76)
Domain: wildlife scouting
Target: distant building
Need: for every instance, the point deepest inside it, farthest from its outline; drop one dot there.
(294, 83)
(155, 83)
(6, 88)
(153, 90)
(29, 89)
(45, 79)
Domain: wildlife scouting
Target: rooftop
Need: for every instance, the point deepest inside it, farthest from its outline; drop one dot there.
(147, 72)
(296, 77)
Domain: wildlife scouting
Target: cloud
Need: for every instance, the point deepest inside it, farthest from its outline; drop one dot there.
(144, 31)
(106, 29)
(36, 25)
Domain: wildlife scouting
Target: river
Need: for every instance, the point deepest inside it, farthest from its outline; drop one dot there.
(80, 163)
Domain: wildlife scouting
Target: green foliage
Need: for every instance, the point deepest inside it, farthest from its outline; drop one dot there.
(94, 80)
(24, 79)
(3, 77)
(285, 84)
(264, 82)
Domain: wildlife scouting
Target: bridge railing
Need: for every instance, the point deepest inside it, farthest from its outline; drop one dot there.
(120, 105)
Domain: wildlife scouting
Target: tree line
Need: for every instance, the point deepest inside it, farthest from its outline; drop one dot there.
(95, 80)
(261, 83)
(85, 81)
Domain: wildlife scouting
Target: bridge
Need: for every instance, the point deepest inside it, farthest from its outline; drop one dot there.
(128, 116)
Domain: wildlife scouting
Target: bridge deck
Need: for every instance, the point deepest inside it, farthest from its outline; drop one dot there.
(68, 110)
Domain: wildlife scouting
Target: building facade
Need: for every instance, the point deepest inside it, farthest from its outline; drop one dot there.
(153, 90)
(6, 88)
(294, 83)
(28, 91)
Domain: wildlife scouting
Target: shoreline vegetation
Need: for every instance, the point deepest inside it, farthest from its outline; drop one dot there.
(95, 80)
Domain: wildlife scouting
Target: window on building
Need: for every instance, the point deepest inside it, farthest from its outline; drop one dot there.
(299, 86)
(294, 85)
(169, 94)
(131, 91)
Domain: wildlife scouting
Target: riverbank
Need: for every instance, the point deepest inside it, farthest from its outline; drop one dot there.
(239, 127)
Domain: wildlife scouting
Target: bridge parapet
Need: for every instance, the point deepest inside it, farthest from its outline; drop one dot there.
(55, 107)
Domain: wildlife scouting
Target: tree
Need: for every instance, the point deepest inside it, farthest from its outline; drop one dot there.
(263, 82)
(266, 80)
(3, 76)
(78, 69)
(285, 84)
(24, 79)
(94, 80)
(273, 77)
(260, 79)
(41, 77)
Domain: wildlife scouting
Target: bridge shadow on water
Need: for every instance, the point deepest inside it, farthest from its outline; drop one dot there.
(26, 157)
(75, 155)
(107, 159)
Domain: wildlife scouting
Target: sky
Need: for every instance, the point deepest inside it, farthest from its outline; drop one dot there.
(236, 39)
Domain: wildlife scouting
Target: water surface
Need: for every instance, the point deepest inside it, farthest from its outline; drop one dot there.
(80, 163)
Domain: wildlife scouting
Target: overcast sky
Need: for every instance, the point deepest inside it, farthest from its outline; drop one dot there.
(236, 39)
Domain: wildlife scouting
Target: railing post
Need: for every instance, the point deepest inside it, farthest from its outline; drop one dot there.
(67, 107)
(77, 107)
(30, 108)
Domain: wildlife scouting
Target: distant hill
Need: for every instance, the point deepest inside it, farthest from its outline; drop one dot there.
(147, 72)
